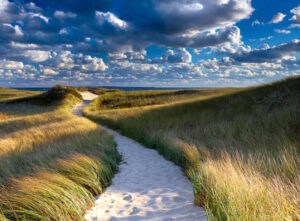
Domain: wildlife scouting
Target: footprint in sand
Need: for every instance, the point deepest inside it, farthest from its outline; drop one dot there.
(135, 210)
(127, 198)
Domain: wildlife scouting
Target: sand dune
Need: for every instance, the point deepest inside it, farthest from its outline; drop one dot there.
(147, 187)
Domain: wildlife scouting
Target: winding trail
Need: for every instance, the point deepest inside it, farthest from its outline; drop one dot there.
(148, 187)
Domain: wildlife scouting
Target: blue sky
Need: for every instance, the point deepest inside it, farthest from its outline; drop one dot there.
(162, 43)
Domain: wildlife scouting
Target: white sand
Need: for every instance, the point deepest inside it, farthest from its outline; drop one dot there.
(87, 97)
(147, 187)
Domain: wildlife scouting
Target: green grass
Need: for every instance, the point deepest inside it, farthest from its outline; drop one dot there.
(52, 163)
(240, 149)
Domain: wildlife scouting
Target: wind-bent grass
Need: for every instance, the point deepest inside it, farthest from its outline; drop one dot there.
(240, 150)
(51, 162)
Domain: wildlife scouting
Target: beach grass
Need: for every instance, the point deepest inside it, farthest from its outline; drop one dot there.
(9, 93)
(52, 163)
(240, 148)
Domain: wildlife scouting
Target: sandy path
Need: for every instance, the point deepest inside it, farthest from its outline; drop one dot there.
(87, 97)
(148, 187)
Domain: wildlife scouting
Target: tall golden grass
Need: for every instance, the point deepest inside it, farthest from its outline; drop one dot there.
(52, 163)
(240, 150)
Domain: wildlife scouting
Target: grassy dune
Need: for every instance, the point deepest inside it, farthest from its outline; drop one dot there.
(51, 162)
(8, 93)
(240, 148)
(120, 99)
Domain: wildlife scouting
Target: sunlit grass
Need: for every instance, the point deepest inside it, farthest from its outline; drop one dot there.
(121, 99)
(8, 93)
(240, 150)
(52, 163)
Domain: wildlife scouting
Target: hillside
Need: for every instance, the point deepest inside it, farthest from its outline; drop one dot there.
(240, 149)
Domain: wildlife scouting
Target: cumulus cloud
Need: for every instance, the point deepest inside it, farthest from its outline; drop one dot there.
(277, 18)
(6, 64)
(180, 56)
(23, 52)
(231, 48)
(93, 64)
(35, 55)
(174, 56)
(75, 62)
(49, 71)
(296, 14)
(6, 10)
(129, 55)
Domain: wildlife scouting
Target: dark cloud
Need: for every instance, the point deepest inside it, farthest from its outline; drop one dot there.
(119, 25)
(86, 7)
(268, 54)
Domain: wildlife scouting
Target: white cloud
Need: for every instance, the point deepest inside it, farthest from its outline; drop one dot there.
(283, 31)
(93, 64)
(279, 17)
(16, 28)
(296, 14)
(117, 56)
(110, 18)
(13, 65)
(4, 6)
(266, 38)
(180, 55)
(231, 48)
(22, 45)
(49, 71)
(63, 60)
(36, 55)
(66, 61)
(63, 31)
(63, 15)
(40, 16)
(256, 22)
(294, 26)
(177, 7)
(32, 6)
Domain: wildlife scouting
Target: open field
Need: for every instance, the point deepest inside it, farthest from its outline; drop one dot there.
(52, 163)
(240, 149)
